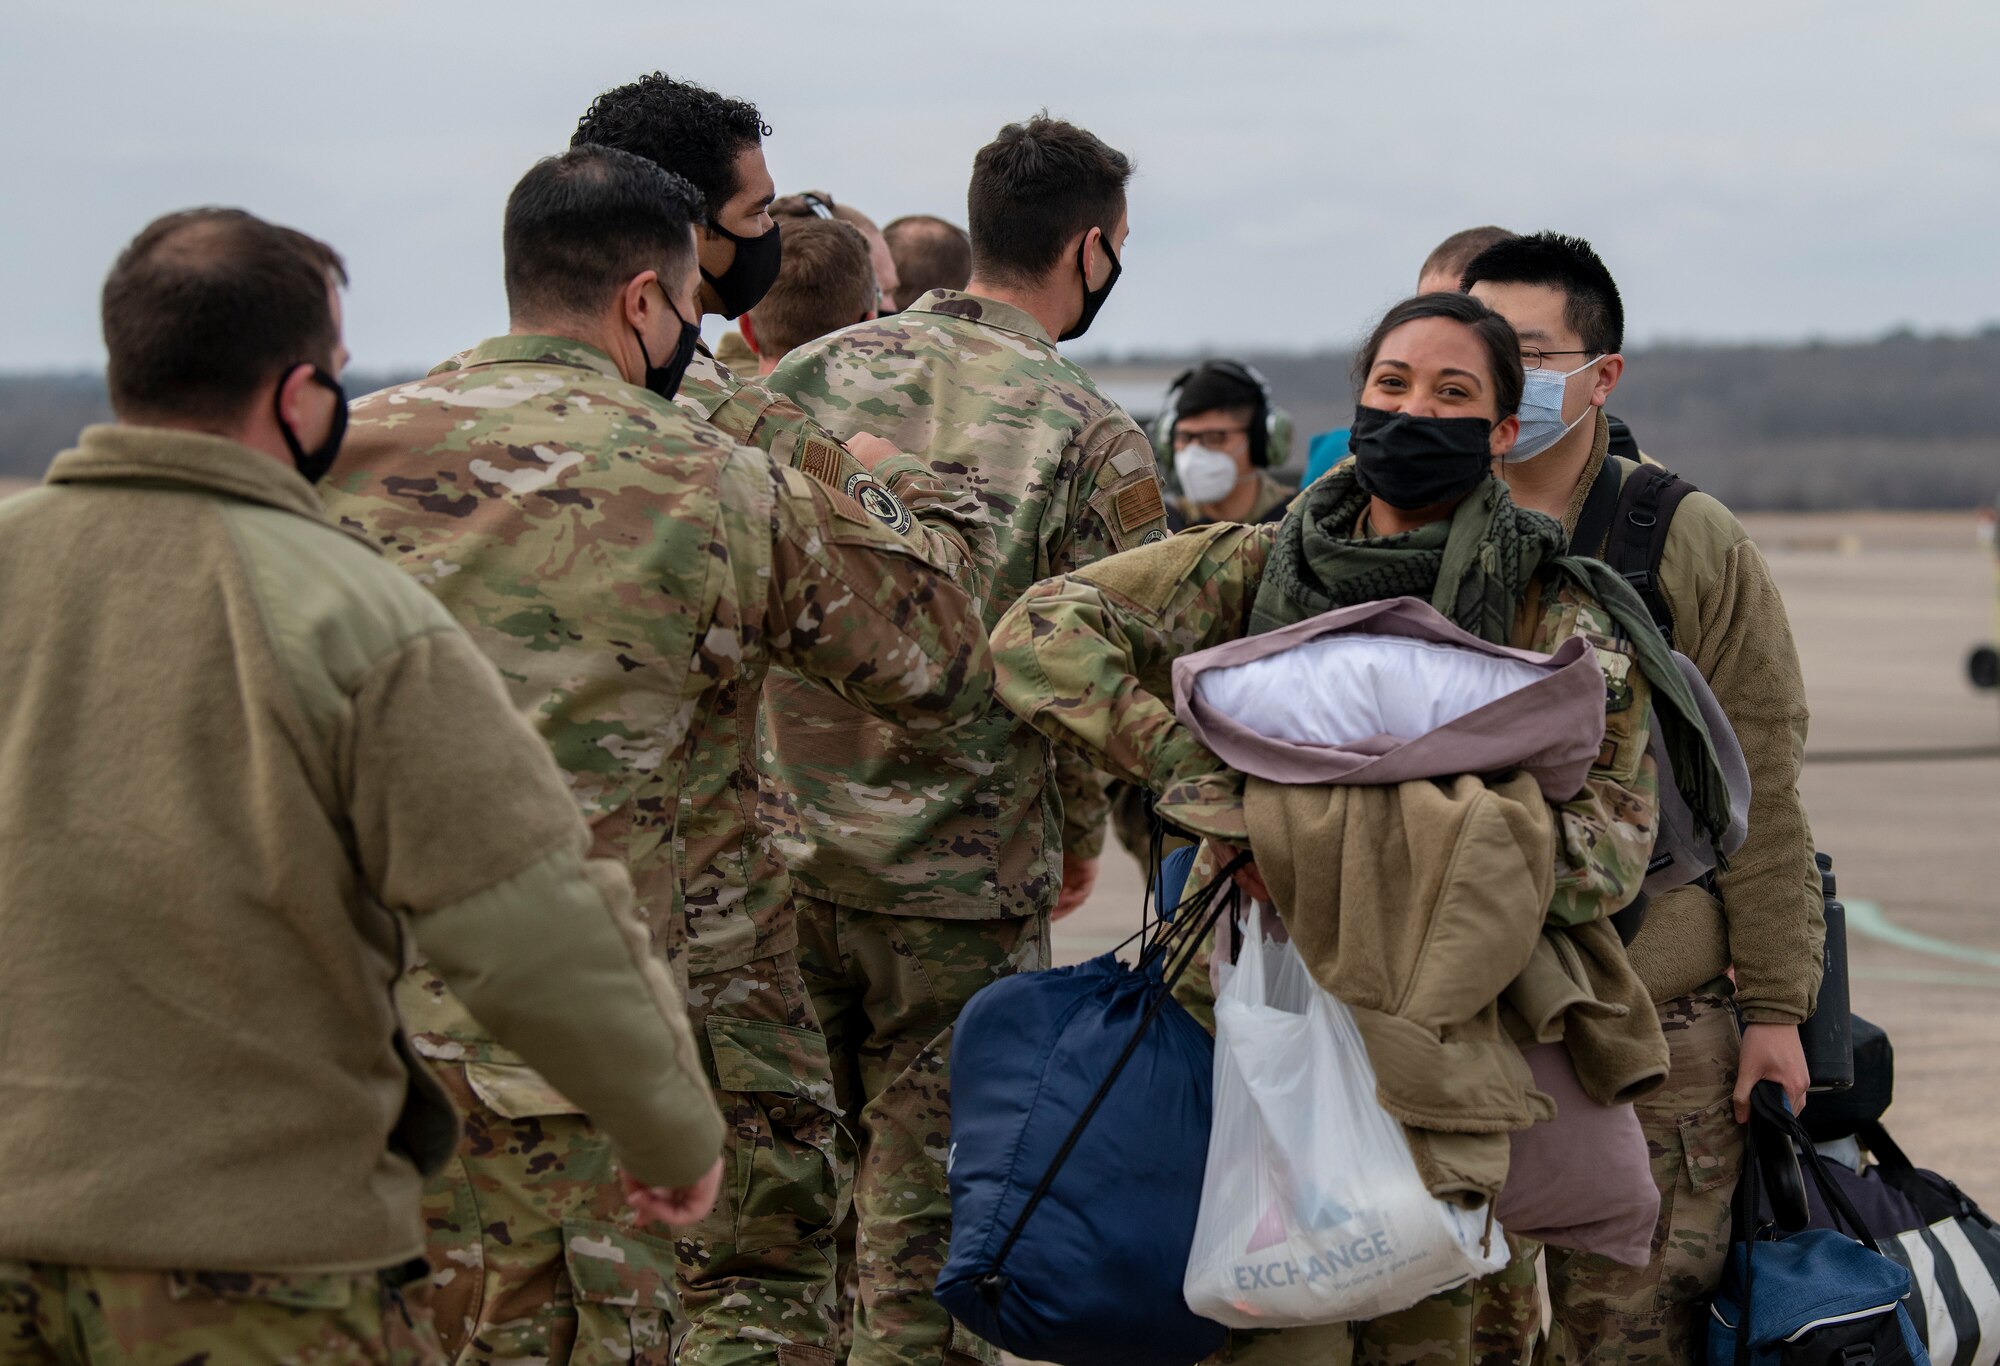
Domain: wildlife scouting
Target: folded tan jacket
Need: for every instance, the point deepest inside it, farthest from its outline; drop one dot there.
(1417, 904)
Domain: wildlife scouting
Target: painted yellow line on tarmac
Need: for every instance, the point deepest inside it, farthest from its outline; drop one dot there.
(1867, 918)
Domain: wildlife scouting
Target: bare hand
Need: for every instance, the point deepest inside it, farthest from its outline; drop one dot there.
(1079, 876)
(1771, 1052)
(1247, 879)
(673, 1205)
(870, 450)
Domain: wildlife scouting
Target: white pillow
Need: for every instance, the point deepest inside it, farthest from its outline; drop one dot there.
(1343, 688)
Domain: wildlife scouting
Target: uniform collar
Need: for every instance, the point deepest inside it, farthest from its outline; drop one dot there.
(954, 303)
(1600, 447)
(121, 453)
(542, 350)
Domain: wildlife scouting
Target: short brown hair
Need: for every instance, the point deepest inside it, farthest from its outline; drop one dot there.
(1455, 253)
(824, 283)
(930, 254)
(1034, 187)
(820, 204)
(206, 306)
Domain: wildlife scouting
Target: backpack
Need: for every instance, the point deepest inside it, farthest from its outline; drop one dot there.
(1630, 519)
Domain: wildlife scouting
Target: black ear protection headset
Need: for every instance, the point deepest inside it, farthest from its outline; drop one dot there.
(1265, 448)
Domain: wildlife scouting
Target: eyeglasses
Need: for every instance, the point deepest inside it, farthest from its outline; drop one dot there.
(1211, 436)
(1532, 357)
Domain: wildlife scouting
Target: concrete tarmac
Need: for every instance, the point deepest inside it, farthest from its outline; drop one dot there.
(1884, 607)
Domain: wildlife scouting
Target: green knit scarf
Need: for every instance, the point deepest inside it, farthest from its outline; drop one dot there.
(1474, 568)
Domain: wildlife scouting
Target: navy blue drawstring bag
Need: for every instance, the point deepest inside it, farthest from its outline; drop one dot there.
(1080, 1105)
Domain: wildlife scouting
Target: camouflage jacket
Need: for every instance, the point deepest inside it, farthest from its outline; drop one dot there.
(633, 573)
(946, 523)
(973, 826)
(1089, 658)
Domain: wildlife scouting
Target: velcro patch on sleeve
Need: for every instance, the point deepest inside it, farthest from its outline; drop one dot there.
(1139, 505)
(819, 459)
(876, 500)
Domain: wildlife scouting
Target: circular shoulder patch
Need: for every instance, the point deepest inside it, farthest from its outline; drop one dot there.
(884, 506)
(1158, 533)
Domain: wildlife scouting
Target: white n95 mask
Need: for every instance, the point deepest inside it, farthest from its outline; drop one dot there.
(1542, 422)
(1206, 476)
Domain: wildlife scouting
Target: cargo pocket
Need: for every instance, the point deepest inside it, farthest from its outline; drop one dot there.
(516, 1091)
(1712, 1146)
(1703, 1160)
(626, 1308)
(785, 1144)
(334, 1291)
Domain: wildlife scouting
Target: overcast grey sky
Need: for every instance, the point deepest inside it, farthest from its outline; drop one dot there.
(1752, 169)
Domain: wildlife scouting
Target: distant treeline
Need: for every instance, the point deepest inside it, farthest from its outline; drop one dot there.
(41, 415)
(1904, 422)
(1901, 423)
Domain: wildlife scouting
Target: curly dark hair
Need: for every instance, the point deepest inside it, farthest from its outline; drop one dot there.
(679, 126)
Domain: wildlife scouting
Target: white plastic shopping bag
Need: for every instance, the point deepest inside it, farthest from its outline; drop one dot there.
(1311, 1207)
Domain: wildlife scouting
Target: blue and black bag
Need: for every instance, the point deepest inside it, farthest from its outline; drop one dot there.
(1080, 1107)
(1798, 1296)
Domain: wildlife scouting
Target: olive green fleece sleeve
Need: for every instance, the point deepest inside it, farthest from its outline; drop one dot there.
(1770, 894)
(462, 821)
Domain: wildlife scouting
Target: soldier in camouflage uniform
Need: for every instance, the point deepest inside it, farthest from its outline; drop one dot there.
(928, 867)
(634, 572)
(1761, 919)
(716, 143)
(1087, 659)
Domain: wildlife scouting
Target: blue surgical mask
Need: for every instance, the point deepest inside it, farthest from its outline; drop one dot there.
(1542, 422)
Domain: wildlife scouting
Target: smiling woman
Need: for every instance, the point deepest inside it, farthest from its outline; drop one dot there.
(1087, 659)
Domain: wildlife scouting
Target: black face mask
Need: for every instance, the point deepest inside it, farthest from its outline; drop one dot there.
(1412, 462)
(665, 380)
(1093, 299)
(314, 463)
(740, 288)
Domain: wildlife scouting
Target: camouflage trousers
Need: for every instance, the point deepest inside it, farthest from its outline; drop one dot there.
(81, 1314)
(888, 989)
(1607, 1312)
(1438, 1331)
(538, 1257)
(1604, 1312)
(759, 1277)
(535, 1255)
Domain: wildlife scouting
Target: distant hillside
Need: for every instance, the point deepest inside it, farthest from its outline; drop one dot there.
(1904, 422)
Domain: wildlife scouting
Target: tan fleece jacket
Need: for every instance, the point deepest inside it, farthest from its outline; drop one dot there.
(239, 756)
(1419, 905)
(1770, 923)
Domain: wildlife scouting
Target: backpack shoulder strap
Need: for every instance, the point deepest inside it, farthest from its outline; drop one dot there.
(1600, 505)
(1638, 536)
